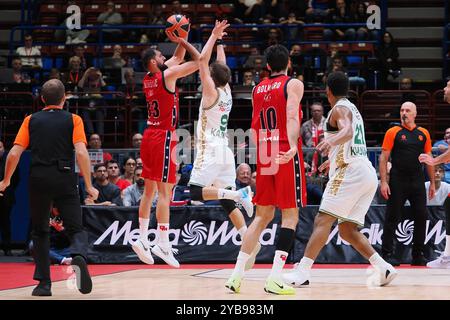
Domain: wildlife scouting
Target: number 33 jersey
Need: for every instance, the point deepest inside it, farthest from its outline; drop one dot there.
(352, 150)
(162, 104)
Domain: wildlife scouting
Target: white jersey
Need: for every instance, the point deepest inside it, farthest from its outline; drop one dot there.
(213, 120)
(352, 150)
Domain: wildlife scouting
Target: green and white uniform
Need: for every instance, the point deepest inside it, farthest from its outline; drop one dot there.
(353, 180)
(214, 162)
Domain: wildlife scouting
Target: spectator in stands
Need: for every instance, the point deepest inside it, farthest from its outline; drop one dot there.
(71, 78)
(128, 169)
(91, 83)
(312, 131)
(109, 194)
(111, 18)
(442, 146)
(79, 51)
(156, 18)
(277, 9)
(297, 62)
(274, 36)
(316, 11)
(292, 32)
(298, 7)
(29, 56)
(253, 182)
(442, 188)
(131, 89)
(136, 140)
(132, 195)
(340, 15)
(113, 169)
(176, 7)
(139, 162)
(259, 71)
(243, 175)
(248, 79)
(54, 74)
(254, 54)
(18, 75)
(95, 142)
(181, 191)
(405, 84)
(387, 56)
(337, 64)
(248, 11)
(117, 55)
(361, 16)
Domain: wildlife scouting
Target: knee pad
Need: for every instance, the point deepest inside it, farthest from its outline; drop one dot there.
(228, 205)
(196, 193)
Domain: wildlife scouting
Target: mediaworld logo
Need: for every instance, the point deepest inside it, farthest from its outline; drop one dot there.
(404, 233)
(192, 233)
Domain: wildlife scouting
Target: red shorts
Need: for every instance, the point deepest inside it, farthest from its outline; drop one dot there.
(158, 155)
(284, 188)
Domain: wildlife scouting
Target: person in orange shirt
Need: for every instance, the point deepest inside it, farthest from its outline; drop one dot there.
(404, 143)
(51, 135)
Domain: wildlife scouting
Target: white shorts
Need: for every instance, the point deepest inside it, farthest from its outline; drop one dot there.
(214, 167)
(349, 192)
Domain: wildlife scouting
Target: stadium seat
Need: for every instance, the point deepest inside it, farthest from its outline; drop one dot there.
(50, 13)
(362, 48)
(138, 13)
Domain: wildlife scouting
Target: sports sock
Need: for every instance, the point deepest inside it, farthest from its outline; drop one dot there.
(377, 260)
(240, 264)
(228, 194)
(163, 235)
(306, 263)
(143, 229)
(278, 263)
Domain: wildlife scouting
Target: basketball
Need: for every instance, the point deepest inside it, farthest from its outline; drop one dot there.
(178, 24)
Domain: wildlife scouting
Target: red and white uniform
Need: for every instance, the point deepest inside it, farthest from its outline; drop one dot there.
(159, 141)
(284, 185)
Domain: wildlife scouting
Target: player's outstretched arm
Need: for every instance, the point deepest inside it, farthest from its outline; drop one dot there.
(178, 71)
(208, 86)
(178, 56)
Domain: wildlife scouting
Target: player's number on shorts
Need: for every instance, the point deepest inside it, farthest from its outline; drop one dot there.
(268, 119)
(224, 123)
(359, 136)
(153, 109)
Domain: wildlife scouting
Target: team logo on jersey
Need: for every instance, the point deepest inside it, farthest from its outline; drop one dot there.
(420, 138)
(403, 137)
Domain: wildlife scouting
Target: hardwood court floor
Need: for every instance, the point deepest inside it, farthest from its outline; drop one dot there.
(206, 282)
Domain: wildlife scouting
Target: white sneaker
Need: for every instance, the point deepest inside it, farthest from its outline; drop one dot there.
(251, 261)
(442, 262)
(297, 277)
(143, 251)
(246, 200)
(386, 274)
(166, 254)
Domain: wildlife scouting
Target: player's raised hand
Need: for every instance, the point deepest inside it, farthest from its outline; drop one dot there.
(219, 28)
(172, 37)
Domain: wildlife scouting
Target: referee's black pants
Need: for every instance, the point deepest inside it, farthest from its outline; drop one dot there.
(47, 187)
(402, 188)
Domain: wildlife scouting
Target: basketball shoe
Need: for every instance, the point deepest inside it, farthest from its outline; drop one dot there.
(165, 254)
(246, 200)
(298, 277)
(442, 262)
(278, 287)
(143, 251)
(386, 274)
(234, 284)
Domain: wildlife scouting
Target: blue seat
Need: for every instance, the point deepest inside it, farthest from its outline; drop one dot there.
(232, 62)
(354, 60)
(58, 63)
(47, 63)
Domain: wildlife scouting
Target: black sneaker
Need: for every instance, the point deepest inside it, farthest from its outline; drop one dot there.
(43, 289)
(84, 282)
(419, 261)
(391, 260)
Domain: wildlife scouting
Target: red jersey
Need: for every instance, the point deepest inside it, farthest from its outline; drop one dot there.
(269, 111)
(162, 104)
